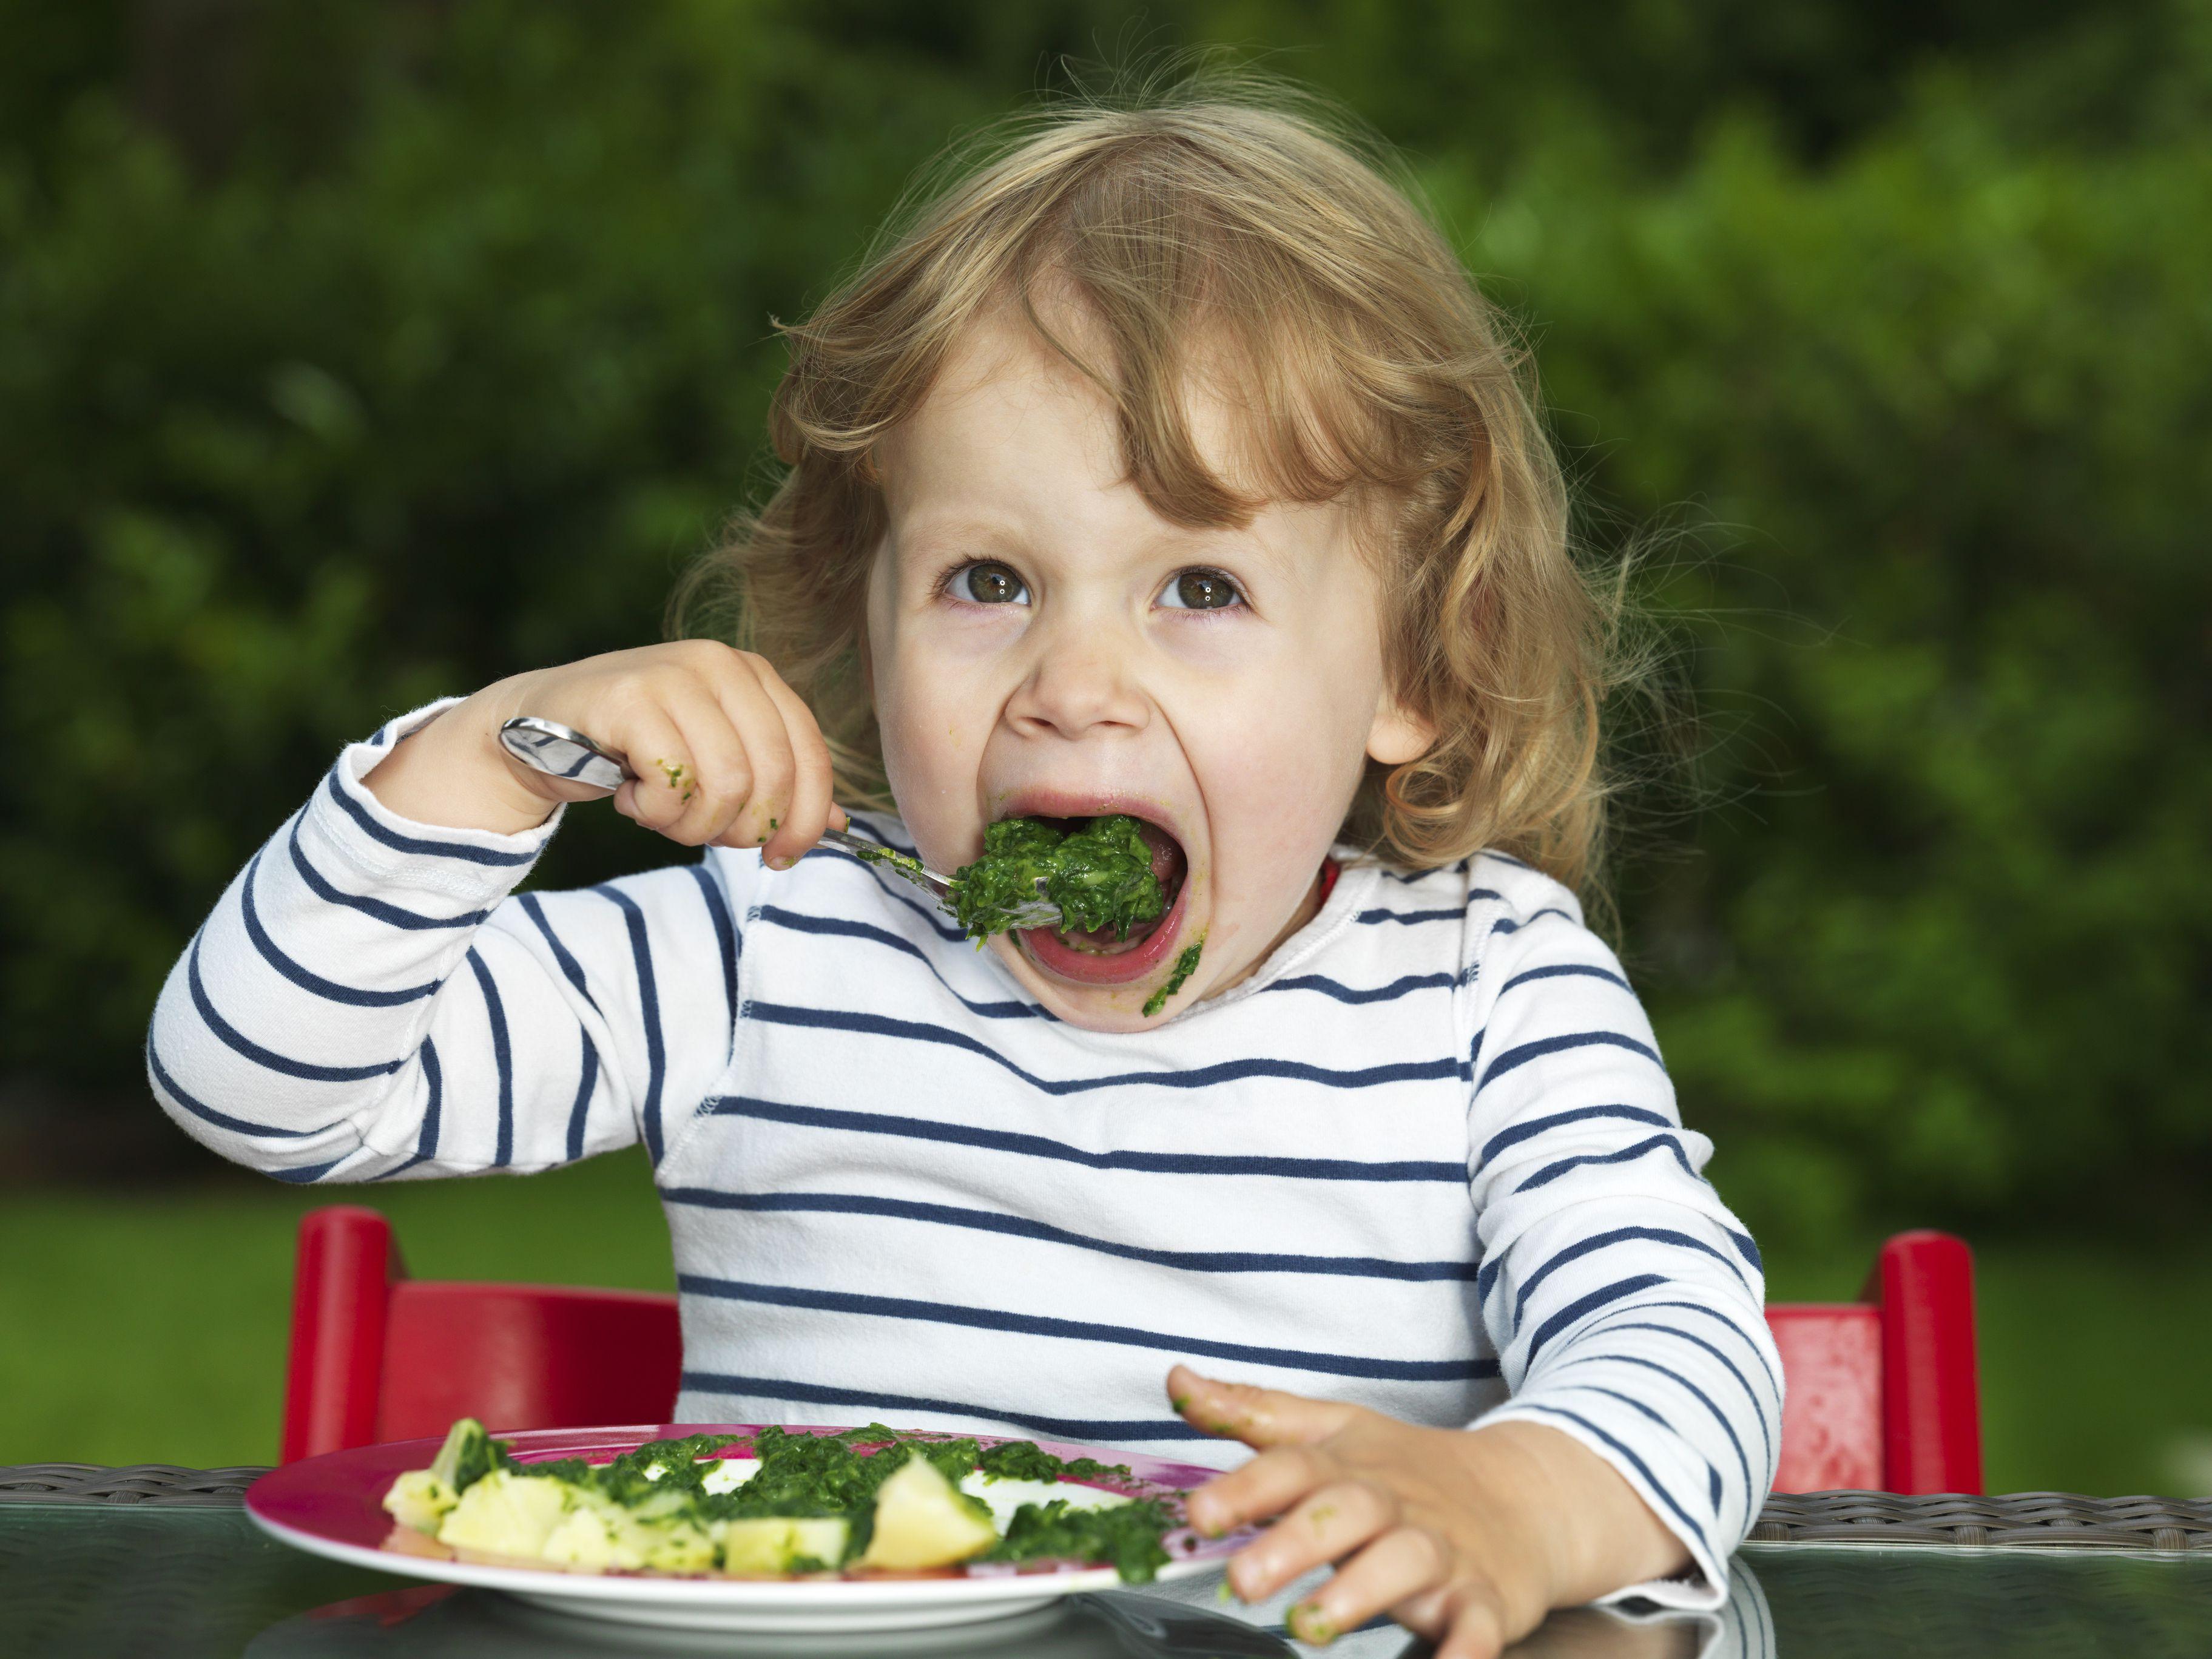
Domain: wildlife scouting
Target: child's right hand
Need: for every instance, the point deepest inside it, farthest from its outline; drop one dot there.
(725, 751)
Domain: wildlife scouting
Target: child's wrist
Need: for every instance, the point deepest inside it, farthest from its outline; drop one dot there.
(452, 771)
(1588, 1532)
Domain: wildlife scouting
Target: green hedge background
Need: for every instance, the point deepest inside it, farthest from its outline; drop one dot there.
(354, 353)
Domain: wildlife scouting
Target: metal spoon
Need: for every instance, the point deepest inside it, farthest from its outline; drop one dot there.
(562, 751)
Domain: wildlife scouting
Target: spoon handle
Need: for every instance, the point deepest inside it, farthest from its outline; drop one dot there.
(563, 751)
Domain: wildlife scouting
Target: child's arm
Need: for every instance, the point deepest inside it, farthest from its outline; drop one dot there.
(365, 1000)
(1624, 1303)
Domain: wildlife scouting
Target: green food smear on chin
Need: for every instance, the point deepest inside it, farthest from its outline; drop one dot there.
(1100, 877)
(1184, 966)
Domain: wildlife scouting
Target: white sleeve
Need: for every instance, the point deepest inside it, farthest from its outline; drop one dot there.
(368, 1000)
(1625, 1300)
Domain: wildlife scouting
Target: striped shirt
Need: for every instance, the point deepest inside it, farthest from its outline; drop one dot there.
(1425, 1159)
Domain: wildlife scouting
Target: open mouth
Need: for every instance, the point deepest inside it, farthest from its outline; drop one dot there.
(1104, 956)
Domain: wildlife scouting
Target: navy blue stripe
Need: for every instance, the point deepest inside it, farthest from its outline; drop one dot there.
(1582, 1306)
(587, 1075)
(1743, 1381)
(1735, 1330)
(425, 1140)
(1673, 1376)
(656, 1057)
(1713, 1475)
(1456, 912)
(1407, 918)
(838, 927)
(1342, 993)
(330, 990)
(1617, 1235)
(426, 1143)
(1743, 1242)
(208, 1114)
(444, 849)
(1412, 878)
(301, 1178)
(1113, 1429)
(1536, 1125)
(1003, 1141)
(502, 1057)
(571, 970)
(992, 1221)
(391, 915)
(269, 1059)
(726, 938)
(1634, 1463)
(1567, 971)
(1082, 1330)
(1515, 1058)
(1507, 925)
(1551, 1172)
(834, 1019)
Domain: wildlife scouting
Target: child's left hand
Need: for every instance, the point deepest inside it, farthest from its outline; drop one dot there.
(1467, 1537)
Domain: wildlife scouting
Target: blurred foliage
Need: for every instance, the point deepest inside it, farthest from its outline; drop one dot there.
(356, 353)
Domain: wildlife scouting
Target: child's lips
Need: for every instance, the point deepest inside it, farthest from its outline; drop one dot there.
(1046, 948)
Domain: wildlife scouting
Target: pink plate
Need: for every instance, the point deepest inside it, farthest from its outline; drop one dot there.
(332, 1506)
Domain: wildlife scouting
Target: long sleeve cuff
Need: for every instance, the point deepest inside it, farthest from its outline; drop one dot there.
(1612, 1431)
(473, 869)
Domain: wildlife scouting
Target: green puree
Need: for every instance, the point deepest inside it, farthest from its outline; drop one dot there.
(809, 1475)
(1100, 877)
(904, 863)
(1184, 965)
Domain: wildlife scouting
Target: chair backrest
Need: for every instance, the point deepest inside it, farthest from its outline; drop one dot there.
(377, 1356)
(1881, 1393)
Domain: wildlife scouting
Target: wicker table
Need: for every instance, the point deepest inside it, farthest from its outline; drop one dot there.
(160, 1561)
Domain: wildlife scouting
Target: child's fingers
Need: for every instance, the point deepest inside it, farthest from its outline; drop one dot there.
(662, 763)
(1329, 1523)
(1397, 1566)
(808, 811)
(725, 767)
(1267, 1486)
(1258, 1417)
(745, 708)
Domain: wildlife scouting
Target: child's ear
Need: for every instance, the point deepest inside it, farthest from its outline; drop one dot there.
(1399, 734)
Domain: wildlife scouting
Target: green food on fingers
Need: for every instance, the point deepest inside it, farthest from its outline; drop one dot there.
(869, 1499)
(1100, 877)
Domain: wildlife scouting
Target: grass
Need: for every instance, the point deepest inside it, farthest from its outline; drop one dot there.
(151, 1328)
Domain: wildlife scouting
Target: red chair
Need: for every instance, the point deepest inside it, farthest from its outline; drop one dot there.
(377, 1356)
(1881, 1393)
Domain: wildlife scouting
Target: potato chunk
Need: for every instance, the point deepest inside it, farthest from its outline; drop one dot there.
(768, 1545)
(922, 1521)
(419, 1499)
(506, 1514)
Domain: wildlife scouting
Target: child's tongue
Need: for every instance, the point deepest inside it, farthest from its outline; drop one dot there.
(1169, 867)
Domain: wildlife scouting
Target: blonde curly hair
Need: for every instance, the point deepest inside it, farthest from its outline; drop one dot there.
(1235, 215)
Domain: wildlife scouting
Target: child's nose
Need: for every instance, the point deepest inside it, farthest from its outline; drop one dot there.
(1081, 687)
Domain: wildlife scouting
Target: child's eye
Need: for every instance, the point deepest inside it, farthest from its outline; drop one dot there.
(990, 584)
(1200, 590)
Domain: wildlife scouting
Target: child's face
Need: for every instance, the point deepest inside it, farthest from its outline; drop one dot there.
(1041, 642)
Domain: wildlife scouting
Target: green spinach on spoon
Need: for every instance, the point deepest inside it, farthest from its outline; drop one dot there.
(1100, 876)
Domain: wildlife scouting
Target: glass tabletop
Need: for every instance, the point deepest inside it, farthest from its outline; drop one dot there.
(82, 1581)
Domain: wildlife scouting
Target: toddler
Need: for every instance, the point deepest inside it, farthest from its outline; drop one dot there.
(1168, 465)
